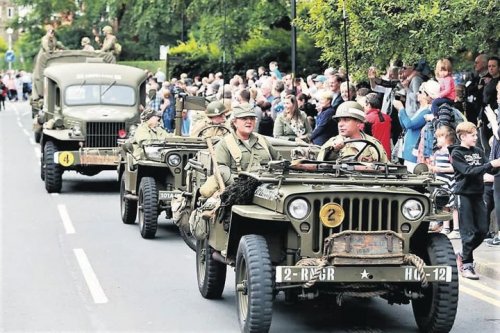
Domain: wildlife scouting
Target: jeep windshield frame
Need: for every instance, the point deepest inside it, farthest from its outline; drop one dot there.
(99, 94)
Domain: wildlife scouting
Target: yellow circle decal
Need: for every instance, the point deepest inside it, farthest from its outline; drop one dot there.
(66, 158)
(331, 215)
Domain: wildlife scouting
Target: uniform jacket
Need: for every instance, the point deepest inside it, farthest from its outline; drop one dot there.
(469, 164)
(145, 133)
(350, 149)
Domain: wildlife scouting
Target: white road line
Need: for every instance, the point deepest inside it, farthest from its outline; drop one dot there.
(90, 277)
(478, 285)
(54, 194)
(68, 225)
(32, 141)
(480, 296)
(19, 123)
(26, 132)
(38, 153)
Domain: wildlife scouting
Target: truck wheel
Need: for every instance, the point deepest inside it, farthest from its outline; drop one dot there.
(148, 207)
(188, 238)
(211, 274)
(254, 290)
(42, 169)
(128, 207)
(51, 171)
(436, 311)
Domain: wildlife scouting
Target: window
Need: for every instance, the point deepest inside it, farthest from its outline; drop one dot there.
(10, 12)
(92, 94)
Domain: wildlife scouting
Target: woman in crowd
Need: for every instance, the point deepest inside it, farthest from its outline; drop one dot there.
(292, 124)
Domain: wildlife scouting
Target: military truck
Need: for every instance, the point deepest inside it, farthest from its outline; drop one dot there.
(148, 184)
(87, 110)
(43, 61)
(332, 229)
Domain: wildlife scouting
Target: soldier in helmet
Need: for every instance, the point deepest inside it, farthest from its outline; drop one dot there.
(86, 46)
(149, 129)
(215, 115)
(350, 117)
(109, 44)
(50, 43)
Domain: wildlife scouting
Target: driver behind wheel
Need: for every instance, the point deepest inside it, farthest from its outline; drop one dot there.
(350, 117)
(215, 115)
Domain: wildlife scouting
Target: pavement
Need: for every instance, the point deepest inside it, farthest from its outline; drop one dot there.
(486, 259)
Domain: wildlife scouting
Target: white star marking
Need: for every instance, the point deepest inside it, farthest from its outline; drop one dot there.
(364, 274)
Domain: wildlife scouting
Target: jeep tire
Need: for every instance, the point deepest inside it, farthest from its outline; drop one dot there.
(148, 207)
(211, 274)
(254, 285)
(436, 311)
(188, 238)
(50, 170)
(128, 208)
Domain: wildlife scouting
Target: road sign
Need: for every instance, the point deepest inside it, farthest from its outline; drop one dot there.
(163, 52)
(10, 56)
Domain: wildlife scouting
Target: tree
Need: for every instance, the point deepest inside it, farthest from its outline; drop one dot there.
(381, 31)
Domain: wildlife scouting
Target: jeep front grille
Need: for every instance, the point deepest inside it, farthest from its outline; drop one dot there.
(100, 135)
(362, 213)
(185, 156)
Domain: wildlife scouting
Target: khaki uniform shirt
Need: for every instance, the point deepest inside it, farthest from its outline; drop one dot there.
(49, 43)
(210, 133)
(351, 149)
(145, 133)
(108, 45)
(253, 157)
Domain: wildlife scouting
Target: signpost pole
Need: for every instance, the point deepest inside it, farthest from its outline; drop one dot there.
(10, 31)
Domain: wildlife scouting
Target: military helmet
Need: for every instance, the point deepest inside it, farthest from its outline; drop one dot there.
(215, 108)
(107, 29)
(148, 113)
(350, 109)
(242, 111)
(85, 41)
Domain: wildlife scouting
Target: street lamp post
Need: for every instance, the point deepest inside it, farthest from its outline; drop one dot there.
(10, 31)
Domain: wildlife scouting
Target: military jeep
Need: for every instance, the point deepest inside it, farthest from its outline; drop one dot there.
(88, 108)
(148, 184)
(329, 229)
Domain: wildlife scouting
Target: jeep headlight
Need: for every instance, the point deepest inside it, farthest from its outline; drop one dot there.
(412, 209)
(440, 197)
(77, 131)
(298, 209)
(174, 160)
(152, 153)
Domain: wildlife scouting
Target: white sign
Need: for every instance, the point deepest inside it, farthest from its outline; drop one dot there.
(163, 52)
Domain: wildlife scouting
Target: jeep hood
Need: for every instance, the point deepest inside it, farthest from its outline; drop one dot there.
(101, 113)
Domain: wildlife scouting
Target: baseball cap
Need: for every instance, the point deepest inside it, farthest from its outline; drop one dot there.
(320, 78)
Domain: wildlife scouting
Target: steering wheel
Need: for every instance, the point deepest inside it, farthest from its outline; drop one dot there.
(224, 129)
(354, 158)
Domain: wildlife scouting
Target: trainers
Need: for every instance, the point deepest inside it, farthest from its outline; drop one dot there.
(468, 272)
(445, 231)
(455, 234)
(493, 242)
(460, 264)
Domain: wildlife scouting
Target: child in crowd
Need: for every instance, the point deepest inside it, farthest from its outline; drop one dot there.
(447, 94)
(470, 164)
(441, 166)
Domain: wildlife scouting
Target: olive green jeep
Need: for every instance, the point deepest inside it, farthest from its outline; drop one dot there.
(330, 229)
(148, 184)
(88, 109)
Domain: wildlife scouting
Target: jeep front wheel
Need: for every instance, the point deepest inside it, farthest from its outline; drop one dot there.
(436, 311)
(188, 237)
(148, 207)
(211, 274)
(51, 171)
(254, 290)
(128, 207)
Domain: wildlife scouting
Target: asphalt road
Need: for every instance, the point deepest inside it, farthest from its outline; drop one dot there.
(69, 264)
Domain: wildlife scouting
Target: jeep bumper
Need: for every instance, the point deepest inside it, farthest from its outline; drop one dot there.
(88, 156)
(303, 274)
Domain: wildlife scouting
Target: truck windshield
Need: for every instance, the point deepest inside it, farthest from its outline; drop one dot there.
(91, 94)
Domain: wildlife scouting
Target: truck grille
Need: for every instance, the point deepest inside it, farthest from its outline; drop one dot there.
(100, 135)
(362, 213)
(185, 156)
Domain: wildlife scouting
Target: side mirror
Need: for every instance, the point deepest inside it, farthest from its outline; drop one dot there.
(128, 147)
(420, 168)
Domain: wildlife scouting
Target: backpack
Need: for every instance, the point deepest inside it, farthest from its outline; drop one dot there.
(117, 49)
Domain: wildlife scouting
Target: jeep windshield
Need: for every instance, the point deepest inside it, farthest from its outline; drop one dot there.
(92, 94)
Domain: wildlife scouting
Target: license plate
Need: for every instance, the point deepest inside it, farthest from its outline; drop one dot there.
(302, 274)
(166, 195)
(98, 159)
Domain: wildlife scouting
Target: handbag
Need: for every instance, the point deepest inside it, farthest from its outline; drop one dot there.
(397, 150)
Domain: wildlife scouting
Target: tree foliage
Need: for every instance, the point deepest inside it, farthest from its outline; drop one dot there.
(380, 31)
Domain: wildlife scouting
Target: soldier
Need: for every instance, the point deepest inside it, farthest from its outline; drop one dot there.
(86, 46)
(149, 129)
(241, 150)
(50, 43)
(215, 115)
(350, 116)
(110, 43)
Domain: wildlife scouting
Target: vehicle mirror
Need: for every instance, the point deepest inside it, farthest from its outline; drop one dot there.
(420, 168)
(128, 147)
